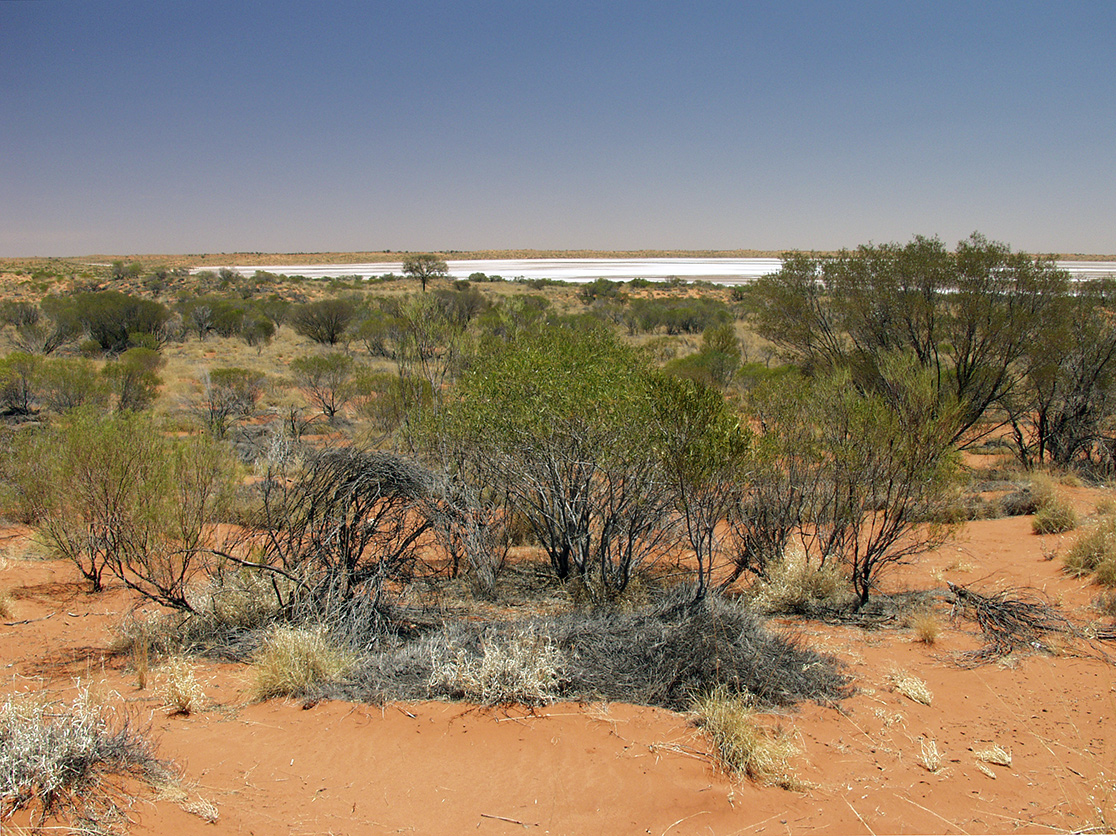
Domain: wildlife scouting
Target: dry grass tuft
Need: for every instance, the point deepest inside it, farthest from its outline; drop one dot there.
(910, 686)
(926, 626)
(993, 753)
(179, 689)
(66, 760)
(1094, 550)
(6, 608)
(795, 585)
(526, 669)
(1056, 517)
(743, 746)
(293, 661)
(930, 757)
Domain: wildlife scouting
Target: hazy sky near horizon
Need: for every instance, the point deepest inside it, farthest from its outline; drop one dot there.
(190, 127)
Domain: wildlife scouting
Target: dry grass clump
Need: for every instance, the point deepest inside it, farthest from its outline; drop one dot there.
(179, 689)
(796, 585)
(1094, 551)
(294, 661)
(6, 609)
(526, 668)
(744, 747)
(930, 757)
(1054, 513)
(910, 686)
(926, 626)
(993, 753)
(55, 758)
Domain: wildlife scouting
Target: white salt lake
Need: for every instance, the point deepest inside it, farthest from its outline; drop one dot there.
(727, 271)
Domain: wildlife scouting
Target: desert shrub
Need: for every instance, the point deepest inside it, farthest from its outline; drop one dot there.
(555, 421)
(296, 661)
(19, 382)
(69, 383)
(325, 321)
(341, 524)
(660, 654)
(228, 394)
(112, 319)
(133, 378)
(326, 380)
(58, 758)
(1106, 572)
(114, 493)
(663, 654)
(742, 746)
(1055, 519)
(525, 668)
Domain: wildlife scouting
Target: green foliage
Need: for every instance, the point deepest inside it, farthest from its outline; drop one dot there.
(19, 381)
(706, 454)
(849, 476)
(115, 494)
(133, 378)
(557, 419)
(326, 380)
(110, 318)
(969, 317)
(678, 316)
(717, 361)
(325, 321)
(70, 383)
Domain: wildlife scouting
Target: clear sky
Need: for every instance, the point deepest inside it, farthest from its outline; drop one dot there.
(198, 126)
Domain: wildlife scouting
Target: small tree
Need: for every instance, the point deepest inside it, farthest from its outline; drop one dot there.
(326, 381)
(133, 378)
(325, 321)
(229, 394)
(425, 267)
(115, 494)
(556, 421)
(706, 455)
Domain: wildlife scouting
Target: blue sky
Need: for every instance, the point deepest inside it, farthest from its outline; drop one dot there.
(189, 127)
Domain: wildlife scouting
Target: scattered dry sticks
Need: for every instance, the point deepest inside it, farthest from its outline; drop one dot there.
(1009, 620)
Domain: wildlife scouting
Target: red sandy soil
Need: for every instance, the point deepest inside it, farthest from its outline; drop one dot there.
(277, 768)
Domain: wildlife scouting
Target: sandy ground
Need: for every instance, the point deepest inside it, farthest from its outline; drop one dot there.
(436, 768)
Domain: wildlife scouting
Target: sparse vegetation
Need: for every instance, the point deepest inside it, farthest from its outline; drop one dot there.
(60, 760)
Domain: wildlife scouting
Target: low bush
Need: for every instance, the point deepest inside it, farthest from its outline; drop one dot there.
(56, 759)
(660, 655)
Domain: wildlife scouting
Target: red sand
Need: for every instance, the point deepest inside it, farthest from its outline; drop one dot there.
(276, 768)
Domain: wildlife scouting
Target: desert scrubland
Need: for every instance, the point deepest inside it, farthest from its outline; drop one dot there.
(831, 552)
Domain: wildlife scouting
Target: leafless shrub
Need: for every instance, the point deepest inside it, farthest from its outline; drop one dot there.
(1009, 621)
